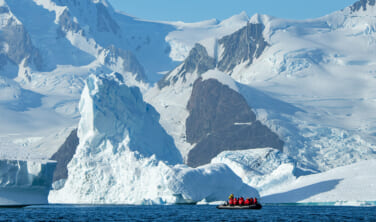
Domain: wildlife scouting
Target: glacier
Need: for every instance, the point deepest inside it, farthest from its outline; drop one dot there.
(262, 169)
(125, 156)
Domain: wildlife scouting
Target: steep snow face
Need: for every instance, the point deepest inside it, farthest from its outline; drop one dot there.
(82, 29)
(94, 25)
(25, 182)
(40, 24)
(124, 155)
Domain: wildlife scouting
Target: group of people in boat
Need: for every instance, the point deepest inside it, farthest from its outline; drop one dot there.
(241, 201)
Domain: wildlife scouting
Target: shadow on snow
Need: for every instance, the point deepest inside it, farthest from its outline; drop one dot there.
(302, 193)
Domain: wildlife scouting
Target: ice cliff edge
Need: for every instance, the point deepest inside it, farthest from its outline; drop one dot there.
(25, 182)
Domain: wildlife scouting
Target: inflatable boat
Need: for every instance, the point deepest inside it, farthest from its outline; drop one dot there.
(240, 207)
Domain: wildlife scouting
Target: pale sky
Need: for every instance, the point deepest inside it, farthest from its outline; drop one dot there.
(199, 10)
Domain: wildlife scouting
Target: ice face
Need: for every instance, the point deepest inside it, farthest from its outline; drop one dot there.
(114, 112)
(25, 182)
(22, 173)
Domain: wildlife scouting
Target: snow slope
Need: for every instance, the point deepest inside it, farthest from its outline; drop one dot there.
(118, 160)
(188, 34)
(348, 185)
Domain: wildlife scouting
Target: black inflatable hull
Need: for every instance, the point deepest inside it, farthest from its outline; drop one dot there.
(242, 207)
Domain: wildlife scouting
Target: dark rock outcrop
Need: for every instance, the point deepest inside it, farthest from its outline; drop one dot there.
(220, 119)
(67, 24)
(362, 4)
(64, 155)
(20, 45)
(197, 60)
(243, 45)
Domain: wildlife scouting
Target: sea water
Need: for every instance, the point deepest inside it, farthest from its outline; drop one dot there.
(185, 213)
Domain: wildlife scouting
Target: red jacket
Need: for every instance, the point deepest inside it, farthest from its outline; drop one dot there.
(255, 200)
(236, 201)
(231, 201)
(247, 202)
(251, 201)
(241, 201)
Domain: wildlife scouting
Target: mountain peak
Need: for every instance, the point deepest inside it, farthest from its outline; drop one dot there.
(255, 19)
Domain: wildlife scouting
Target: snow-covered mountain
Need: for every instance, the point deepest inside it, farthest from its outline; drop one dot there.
(309, 81)
(272, 99)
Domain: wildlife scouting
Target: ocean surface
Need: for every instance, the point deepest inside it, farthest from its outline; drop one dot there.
(185, 213)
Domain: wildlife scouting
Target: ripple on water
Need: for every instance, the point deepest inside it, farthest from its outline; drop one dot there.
(186, 213)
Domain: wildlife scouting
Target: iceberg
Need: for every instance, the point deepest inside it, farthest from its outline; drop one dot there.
(25, 182)
(125, 156)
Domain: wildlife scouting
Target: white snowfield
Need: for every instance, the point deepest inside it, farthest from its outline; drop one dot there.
(187, 34)
(24, 182)
(354, 184)
(120, 161)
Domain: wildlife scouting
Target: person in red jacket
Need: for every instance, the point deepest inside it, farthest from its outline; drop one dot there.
(251, 201)
(247, 201)
(241, 201)
(236, 201)
(231, 199)
(255, 202)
